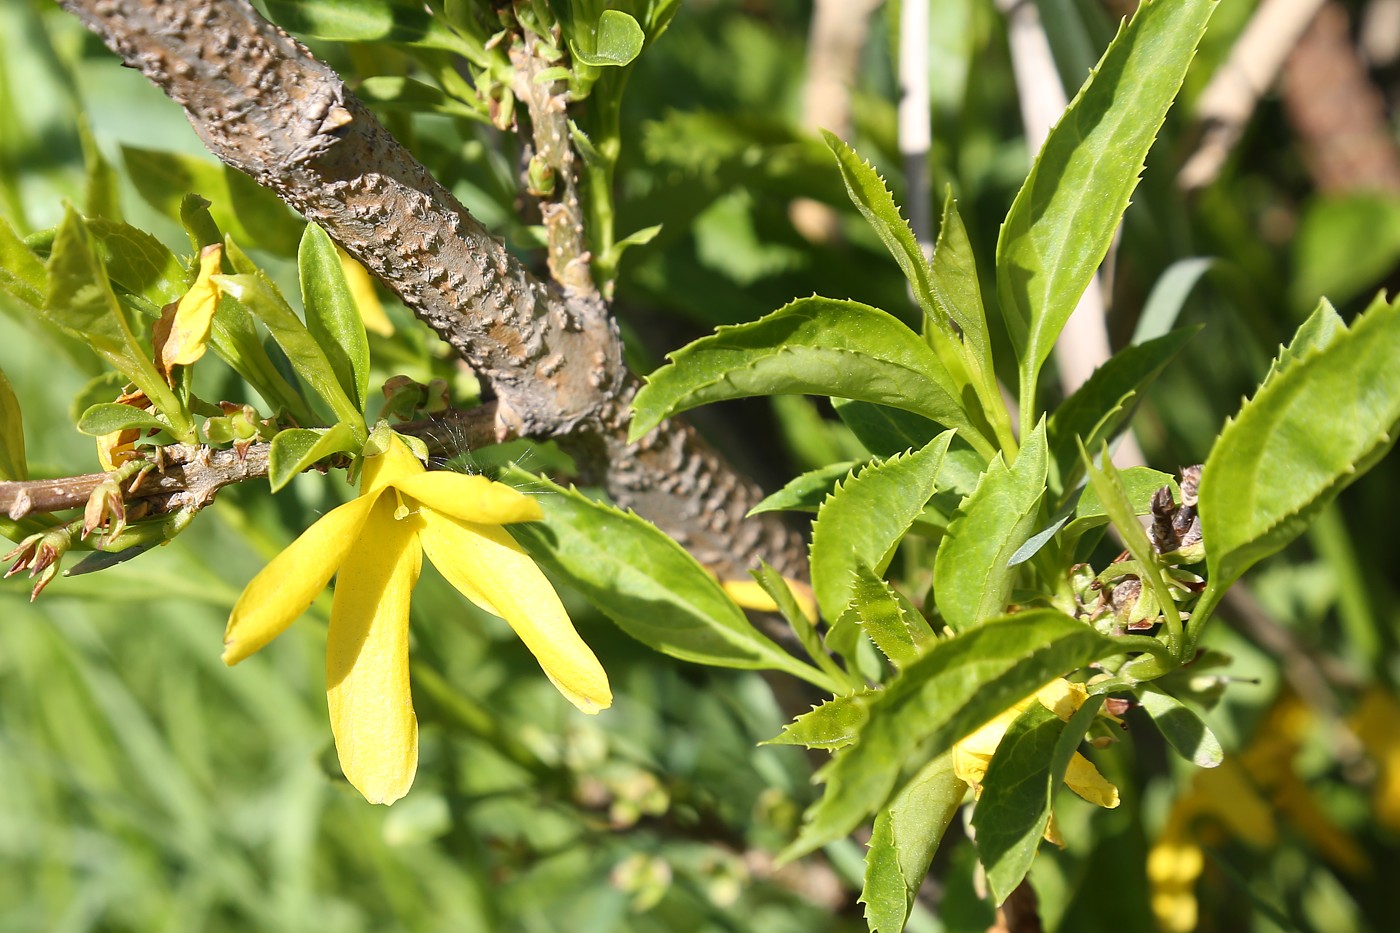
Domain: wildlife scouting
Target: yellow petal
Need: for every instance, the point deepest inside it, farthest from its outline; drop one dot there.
(970, 766)
(287, 585)
(1085, 780)
(470, 498)
(189, 331)
(376, 733)
(1062, 697)
(366, 298)
(750, 595)
(486, 565)
(389, 468)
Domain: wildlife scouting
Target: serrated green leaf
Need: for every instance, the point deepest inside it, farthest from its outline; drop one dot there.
(959, 684)
(1019, 790)
(1182, 727)
(1102, 407)
(13, 463)
(1314, 429)
(865, 518)
(885, 431)
(903, 843)
(832, 725)
(972, 572)
(816, 346)
(646, 583)
(1314, 334)
(79, 300)
(296, 449)
(255, 292)
(106, 417)
(1065, 216)
(881, 616)
(617, 41)
(332, 316)
(872, 198)
(21, 272)
(805, 493)
(957, 290)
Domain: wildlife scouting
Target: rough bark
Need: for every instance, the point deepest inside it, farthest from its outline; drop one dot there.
(551, 356)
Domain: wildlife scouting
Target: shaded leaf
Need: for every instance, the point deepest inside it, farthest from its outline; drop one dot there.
(21, 271)
(332, 316)
(13, 463)
(1182, 727)
(806, 492)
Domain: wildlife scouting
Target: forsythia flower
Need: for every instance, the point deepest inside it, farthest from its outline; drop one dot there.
(375, 544)
(973, 755)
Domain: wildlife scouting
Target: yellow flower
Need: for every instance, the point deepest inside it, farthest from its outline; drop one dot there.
(181, 334)
(973, 755)
(375, 543)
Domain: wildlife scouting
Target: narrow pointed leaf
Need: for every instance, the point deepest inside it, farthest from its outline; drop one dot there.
(972, 571)
(13, 463)
(866, 517)
(806, 492)
(816, 346)
(1065, 215)
(881, 616)
(957, 290)
(1138, 482)
(956, 686)
(835, 724)
(332, 316)
(1315, 428)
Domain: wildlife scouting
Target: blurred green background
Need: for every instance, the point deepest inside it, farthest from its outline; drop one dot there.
(148, 787)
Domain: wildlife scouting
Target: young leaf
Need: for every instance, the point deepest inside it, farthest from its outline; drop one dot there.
(1311, 431)
(1184, 730)
(1316, 333)
(972, 570)
(957, 685)
(331, 314)
(865, 518)
(806, 492)
(80, 300)
(13, 464)
(903, 843)
(255, 292)
(1102, 407)
(817, 346)
(295, 449)
(108, 417)
(870, 196)
(617, 41)
(835, 724)
(646, 583)
(881, 616)
(1019, 789)
(958, 292)
(1065, 215)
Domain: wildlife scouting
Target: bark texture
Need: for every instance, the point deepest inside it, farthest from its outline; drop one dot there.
(550, 355)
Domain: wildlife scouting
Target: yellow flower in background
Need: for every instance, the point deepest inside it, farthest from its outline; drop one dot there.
(973, 755)
(375, 544)
(361, 286)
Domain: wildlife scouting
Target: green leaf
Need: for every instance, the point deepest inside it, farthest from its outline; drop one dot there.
(1138, 482)
(1065, 216)
(1184, 730)
(394, 92)
(1318, 424)
(972, 573)
(817, 346)
(1019, 789)
(645, 582)
(617, 41)
(400, 21)
(296, 449)
(806, 492)
(803, 627)
(865, 518)
(958, 685)
(21, 271)
(881, 615)
(80, 300)
(139, 264)
(832, 725)
(1168, 297)
(13, 463)
(1317, 332)
(885, 431)
(1102, 407)
(332, 316)
(903, 843)
(260, 297)
(957, 290)
(106, 417)
(870, 196)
